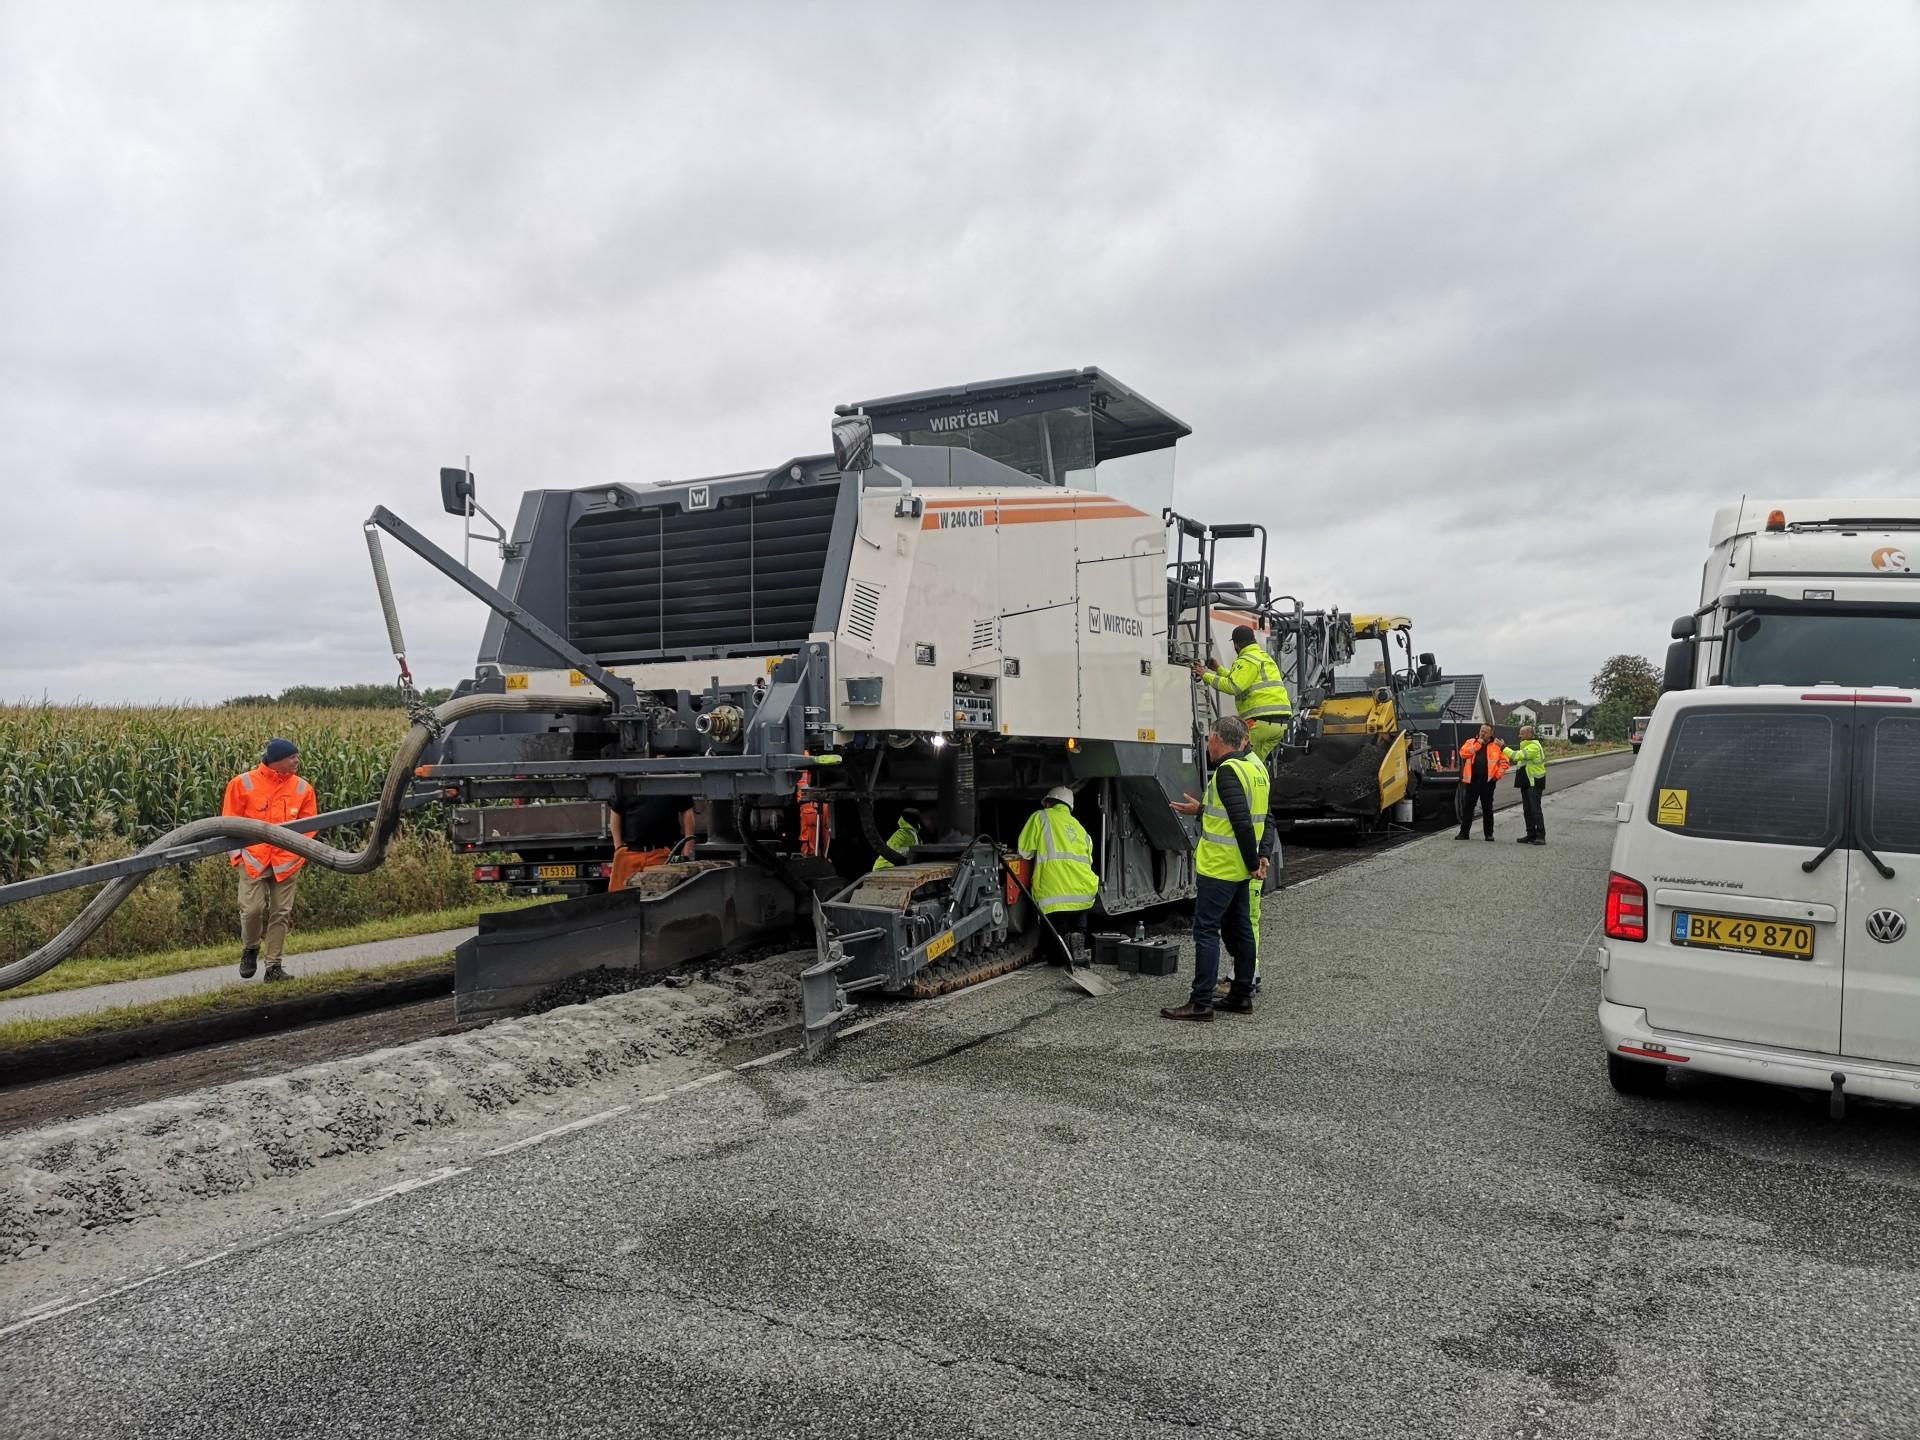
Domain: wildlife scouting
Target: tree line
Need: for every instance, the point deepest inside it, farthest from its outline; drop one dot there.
(339, 697)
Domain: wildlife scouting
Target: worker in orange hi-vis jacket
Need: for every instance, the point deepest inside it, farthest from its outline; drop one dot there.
(274, 792)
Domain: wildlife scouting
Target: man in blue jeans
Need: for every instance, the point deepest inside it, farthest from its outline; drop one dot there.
(1232, 822)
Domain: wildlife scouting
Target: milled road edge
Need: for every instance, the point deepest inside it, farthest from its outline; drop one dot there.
(127, 1166)
(56, 1059)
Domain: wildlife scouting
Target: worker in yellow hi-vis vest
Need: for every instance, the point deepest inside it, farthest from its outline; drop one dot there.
(1233, 822)
(1064, 885)
(1259, 693)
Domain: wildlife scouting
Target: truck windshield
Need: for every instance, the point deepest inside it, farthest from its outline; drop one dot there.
(1809, 649)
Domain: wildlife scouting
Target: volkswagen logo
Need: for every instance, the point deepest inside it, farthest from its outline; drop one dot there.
(1886, 926)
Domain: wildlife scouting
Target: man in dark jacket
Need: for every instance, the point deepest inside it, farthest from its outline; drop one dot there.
(1233, 820)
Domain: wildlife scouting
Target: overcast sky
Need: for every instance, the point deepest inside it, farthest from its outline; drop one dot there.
(1481, 307)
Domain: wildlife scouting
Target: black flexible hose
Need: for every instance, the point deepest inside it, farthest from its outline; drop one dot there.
(386, 822)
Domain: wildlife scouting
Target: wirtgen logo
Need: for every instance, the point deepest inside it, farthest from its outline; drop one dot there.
(1105, 622)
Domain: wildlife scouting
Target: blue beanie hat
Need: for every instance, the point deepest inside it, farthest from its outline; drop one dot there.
(278, 749)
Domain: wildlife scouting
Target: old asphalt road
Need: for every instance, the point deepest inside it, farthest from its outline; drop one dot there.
(1398, 1201)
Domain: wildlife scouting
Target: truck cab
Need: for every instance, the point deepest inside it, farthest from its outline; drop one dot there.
(1800, 592)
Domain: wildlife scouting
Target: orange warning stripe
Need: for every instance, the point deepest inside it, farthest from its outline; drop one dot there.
(1039, 510)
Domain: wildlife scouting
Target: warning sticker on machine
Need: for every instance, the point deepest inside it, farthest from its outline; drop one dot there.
(939, 946)
(516, 682)
(1672, 809)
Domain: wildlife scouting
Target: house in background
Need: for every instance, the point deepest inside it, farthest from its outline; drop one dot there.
(1551, 719)
(1471, 704)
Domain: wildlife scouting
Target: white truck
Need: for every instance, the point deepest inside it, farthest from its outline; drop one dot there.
(1796, 592)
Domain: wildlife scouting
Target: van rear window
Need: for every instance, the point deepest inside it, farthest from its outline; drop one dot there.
(1747, 774)
(1893, 814)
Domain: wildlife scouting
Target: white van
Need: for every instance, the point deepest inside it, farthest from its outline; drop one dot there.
(1763, 915)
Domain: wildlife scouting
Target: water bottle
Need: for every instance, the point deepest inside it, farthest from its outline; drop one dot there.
(1139, 931)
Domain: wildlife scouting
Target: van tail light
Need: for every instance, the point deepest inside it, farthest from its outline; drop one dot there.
(492, 872)
(1626, 908)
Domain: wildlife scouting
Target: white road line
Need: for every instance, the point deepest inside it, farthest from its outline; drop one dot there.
(393, 1192)
(35, 1319)
(768, 1059)
(566, 1129)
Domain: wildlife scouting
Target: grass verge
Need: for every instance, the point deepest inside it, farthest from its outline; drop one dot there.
(106, 969)
(18, 1033)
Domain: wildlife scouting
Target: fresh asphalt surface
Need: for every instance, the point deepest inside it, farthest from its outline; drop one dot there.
(1400, 1200)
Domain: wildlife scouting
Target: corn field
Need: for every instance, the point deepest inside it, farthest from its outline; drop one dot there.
(80, 784)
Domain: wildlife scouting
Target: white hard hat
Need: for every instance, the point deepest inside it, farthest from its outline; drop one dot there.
(1060, 795)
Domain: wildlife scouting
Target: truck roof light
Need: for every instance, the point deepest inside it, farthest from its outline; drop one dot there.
(1832, 695)
(1777, 520)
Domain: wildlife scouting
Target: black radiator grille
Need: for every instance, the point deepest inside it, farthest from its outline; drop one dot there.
(744, 573)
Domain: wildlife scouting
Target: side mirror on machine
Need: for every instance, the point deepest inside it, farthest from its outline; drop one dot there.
(853, 442)
(456, 491)
(1686, 627)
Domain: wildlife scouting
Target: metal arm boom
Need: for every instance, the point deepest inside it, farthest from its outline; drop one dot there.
(621, 692)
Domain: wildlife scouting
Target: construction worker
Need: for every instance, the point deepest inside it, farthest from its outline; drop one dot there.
(1530, 778)
(1232, 822)
(1483, 760)
(906, 835)
(274, 792)
(1259, 694)
(1063, 883)
(647, 830)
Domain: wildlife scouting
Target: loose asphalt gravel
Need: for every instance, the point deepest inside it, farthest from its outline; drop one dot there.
(1400, 1200)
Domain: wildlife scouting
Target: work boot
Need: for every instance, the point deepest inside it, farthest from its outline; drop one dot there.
(1236, 1005)
(1523, 839)
(1488, 837)
(249, 961)
(274, 972)
(1461, 836)
(1189, 1011)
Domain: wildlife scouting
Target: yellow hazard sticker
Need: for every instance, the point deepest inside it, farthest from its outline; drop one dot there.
(939, 946)
(1147, 732)
(1672, 809)
(574, 677)
(516, 682)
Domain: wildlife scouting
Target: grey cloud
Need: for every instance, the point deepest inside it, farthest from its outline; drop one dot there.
(1482, 308)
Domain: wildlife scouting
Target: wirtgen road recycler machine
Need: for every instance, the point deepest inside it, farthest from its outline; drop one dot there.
(969, 601)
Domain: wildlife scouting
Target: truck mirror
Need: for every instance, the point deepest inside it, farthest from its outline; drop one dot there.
(1686, 627)
(1679, 675)
(456, 491)
(853, 442)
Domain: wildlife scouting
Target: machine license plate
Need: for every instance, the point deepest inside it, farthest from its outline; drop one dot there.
(939, 946)
(1739, 932)
(558, 872)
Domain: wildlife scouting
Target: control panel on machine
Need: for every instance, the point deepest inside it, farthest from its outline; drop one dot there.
(973, 703)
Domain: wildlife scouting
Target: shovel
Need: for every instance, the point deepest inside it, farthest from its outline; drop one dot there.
(1081, 976)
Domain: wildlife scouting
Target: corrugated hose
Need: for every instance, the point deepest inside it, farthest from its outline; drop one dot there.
(426, 728)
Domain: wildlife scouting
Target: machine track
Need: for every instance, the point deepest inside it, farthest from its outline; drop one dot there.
(959, 971)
